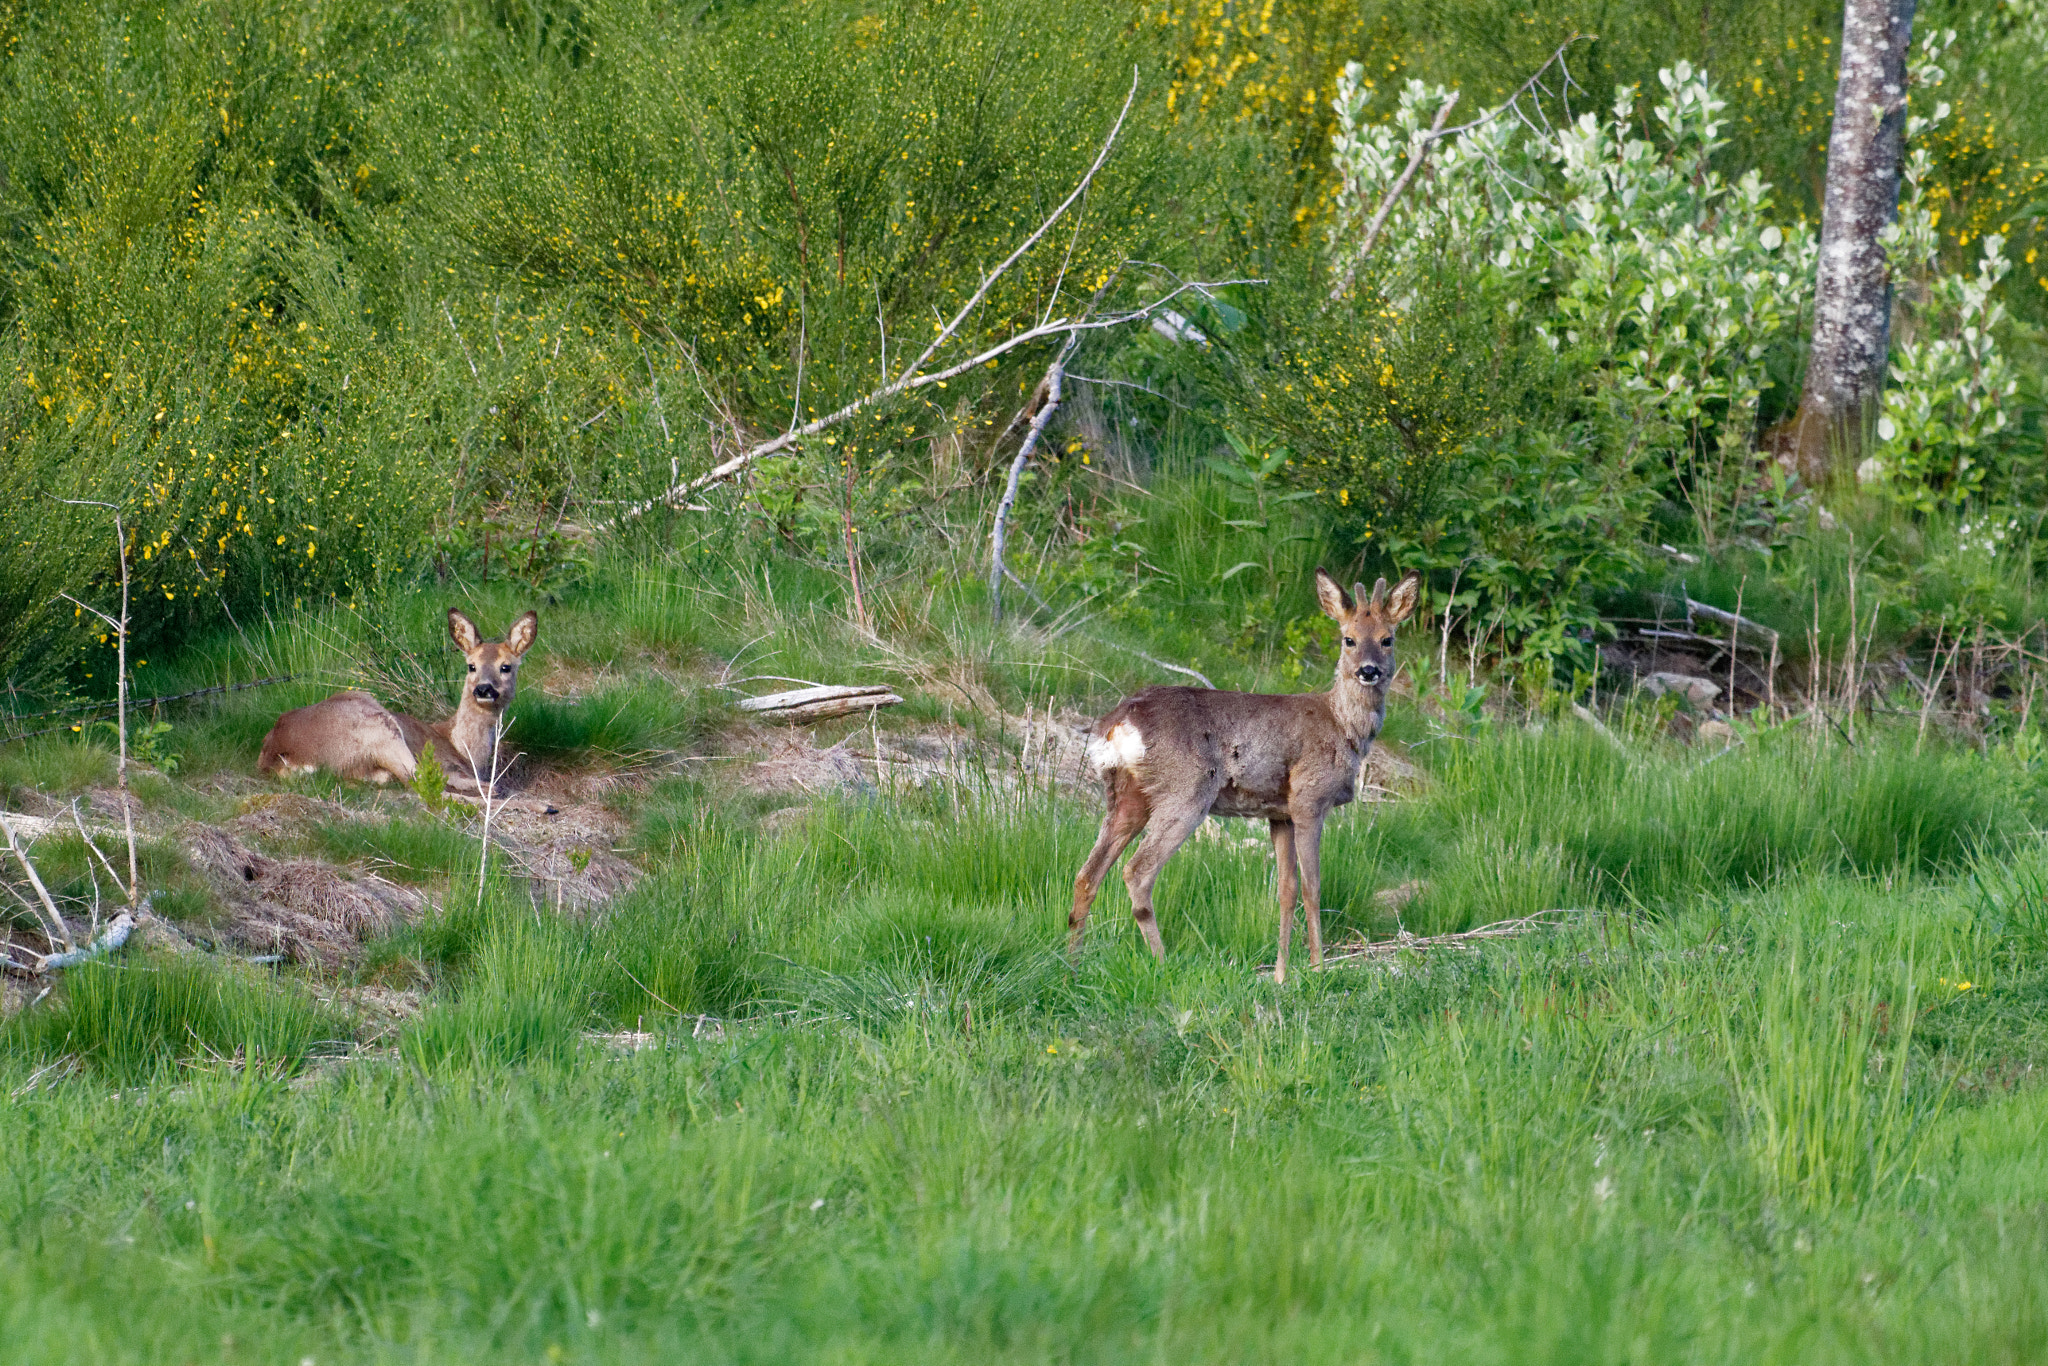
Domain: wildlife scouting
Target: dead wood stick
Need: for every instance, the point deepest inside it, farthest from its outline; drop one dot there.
(825, 692)
(118, 930)
(1419, 150)
(120, 689)
(825, 711)
(1055, 375)
(981, 291)
(1733, 620)
(59, 933)
(725, 470)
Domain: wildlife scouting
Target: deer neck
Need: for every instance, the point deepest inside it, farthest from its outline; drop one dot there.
(1359, 712)
(472, 733)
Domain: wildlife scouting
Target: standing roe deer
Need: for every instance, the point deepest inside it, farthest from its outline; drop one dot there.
(1171, 756)
(353, 735)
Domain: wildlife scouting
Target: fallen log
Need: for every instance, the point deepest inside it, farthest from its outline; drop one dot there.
(805, 705)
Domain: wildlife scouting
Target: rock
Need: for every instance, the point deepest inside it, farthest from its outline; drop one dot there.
(1716, 733)
(1394, 900)
(1701, 693)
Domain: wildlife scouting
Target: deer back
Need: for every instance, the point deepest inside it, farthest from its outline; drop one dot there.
(350, 734)
(1233, 753)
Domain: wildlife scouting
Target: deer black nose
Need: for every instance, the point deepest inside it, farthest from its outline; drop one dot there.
(486, 692)
(1368, 674)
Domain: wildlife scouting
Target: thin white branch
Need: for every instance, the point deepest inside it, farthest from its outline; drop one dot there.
(1054, 374)
(1057, 327)
(56, 928)
(981, 291)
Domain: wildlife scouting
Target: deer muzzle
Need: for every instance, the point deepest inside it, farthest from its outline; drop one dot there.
(1369, 674)
(486, 692)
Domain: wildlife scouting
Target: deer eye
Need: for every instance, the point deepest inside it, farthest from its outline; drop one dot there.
(1386, 640)
(1349, 641)
(472, 668)
(504, 668)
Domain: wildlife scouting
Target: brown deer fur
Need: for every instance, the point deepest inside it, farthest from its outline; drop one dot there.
(352, 734)
(1169, 757)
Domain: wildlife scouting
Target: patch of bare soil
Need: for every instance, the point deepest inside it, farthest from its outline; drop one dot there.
(796, 765)
(566, 853)
(280, 817)
(308, 911)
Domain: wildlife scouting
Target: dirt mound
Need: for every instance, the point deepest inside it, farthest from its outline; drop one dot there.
(283, 816)
(306, 910)
(565, 852)
(797, 765)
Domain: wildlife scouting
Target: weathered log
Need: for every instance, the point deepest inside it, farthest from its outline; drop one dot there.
(777, 701)
(803, 715)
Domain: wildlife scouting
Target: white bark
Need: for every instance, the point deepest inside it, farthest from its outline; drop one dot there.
(1852, 288)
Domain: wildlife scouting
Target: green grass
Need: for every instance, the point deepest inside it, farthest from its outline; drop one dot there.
(139, 1020)
(1746, 1110)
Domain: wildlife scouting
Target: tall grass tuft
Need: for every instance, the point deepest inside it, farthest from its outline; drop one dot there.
(132, 1020)
(1821, 1064)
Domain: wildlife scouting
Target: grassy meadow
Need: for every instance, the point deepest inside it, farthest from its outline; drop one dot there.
(828, 1089)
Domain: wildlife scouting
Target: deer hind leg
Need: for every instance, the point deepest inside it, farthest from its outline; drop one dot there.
(1167, 833)
(1290, 886)
(385, 758)
(1128, 812)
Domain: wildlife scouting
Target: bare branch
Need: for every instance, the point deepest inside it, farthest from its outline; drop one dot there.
(1057, 327)
(1419, 151)
(981, 291)
(1054, 374)
(58, 932)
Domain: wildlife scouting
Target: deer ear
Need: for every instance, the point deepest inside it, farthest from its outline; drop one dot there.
(463, 631)
(1401, 605)
(520, 637)
(1335, 605)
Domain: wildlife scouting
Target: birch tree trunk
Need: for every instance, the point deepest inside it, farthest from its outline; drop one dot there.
(1852, 291)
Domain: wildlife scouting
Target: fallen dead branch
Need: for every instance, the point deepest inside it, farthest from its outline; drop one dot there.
(805, 705)
(909, 379)
(53, 924)
(111, 940)
(1405, 942)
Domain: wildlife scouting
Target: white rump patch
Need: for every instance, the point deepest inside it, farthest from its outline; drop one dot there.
(1121, 748)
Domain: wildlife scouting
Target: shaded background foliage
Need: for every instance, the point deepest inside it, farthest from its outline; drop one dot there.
(333, 296)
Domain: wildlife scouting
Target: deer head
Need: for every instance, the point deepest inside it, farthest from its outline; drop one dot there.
(1366, 627)
(493, 664)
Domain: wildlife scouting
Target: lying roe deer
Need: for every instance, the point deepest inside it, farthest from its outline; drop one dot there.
(1169, 757)
(352, 734)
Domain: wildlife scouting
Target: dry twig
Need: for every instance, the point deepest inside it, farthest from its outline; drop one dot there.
(1499, 929)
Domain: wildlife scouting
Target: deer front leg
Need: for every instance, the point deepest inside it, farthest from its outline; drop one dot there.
(1290, 882)
(1308, 842)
